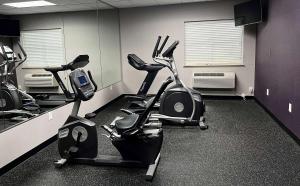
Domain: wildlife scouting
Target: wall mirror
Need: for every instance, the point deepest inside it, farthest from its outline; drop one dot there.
(51, 40)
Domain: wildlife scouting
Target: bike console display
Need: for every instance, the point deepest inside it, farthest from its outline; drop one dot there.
(82, 85)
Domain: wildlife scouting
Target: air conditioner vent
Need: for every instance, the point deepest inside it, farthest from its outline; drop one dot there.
(214, 80)
(208, 74)
(41, 75)
(40, 80)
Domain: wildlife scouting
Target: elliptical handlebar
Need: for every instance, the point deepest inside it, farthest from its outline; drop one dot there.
(156, 51)
(21, 60)
(163, 45)
(3, 53)
(156, 47)
(170, 50)
(22, 50)
(12, 59)
(167, 53)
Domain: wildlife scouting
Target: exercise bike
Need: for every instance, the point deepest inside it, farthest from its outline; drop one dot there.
(139, 146)
(179, 105)
(13, 101)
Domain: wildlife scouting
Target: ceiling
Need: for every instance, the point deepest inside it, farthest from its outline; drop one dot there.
(79, 5)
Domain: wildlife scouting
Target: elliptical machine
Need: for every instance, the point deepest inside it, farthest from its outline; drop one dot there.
(14, 101)
(139, 101)
(138, 145)
(179, 105)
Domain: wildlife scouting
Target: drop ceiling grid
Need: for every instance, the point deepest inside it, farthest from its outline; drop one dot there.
(77, 5)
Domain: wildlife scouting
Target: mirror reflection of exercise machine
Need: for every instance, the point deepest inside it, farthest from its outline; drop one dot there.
(53, 100)
(14, 103)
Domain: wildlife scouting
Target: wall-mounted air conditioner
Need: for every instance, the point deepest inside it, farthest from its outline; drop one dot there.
(40, 80)
(214, 80)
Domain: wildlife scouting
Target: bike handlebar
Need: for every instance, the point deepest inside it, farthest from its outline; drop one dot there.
(92, 80)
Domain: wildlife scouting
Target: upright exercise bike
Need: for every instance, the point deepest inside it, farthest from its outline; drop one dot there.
(138, 145)
(13, 101)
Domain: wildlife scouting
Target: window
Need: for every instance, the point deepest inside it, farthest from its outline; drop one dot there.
(209, 43)
(43, 47)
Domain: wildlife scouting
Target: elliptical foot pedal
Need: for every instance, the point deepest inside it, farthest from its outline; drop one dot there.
(152, 169)
(90, 115)
(113, 123)
(203, 126)
(60, 163)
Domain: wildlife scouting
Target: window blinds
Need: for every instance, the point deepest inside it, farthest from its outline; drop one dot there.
(213, 43)
(43, 47)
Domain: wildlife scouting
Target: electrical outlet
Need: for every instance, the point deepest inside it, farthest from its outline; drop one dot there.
(268, 92)
(50, 114)
(251, 90)
(290, 107)
(111, 87)
(243, 95)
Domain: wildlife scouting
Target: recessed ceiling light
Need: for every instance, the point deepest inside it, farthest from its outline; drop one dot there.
(26, 4)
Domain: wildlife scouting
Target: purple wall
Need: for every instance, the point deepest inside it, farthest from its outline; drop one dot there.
(278, 62)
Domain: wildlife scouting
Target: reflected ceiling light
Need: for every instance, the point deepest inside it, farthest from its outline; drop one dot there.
(27, 4)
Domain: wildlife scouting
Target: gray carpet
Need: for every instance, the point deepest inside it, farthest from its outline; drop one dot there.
(243, 146)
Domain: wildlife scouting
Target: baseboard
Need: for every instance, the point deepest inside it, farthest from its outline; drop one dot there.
(287, 130)
(109, 103)
(35, 150)
(220, 97)
(215, 97)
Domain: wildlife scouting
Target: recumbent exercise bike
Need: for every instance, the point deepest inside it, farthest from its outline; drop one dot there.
(138, 144)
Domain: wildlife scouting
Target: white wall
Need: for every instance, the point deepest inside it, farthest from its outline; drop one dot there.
(141, 26)
(19, 140)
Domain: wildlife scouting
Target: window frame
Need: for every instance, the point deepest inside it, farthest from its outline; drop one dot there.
(217, 64)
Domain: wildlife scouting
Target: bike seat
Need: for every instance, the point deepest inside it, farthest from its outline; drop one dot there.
(126, 123)
(139, 64)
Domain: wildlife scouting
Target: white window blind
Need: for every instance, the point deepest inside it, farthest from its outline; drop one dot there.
(213, 43)
(43, 47)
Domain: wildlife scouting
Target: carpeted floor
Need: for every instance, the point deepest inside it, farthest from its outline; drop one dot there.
(243, 146)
